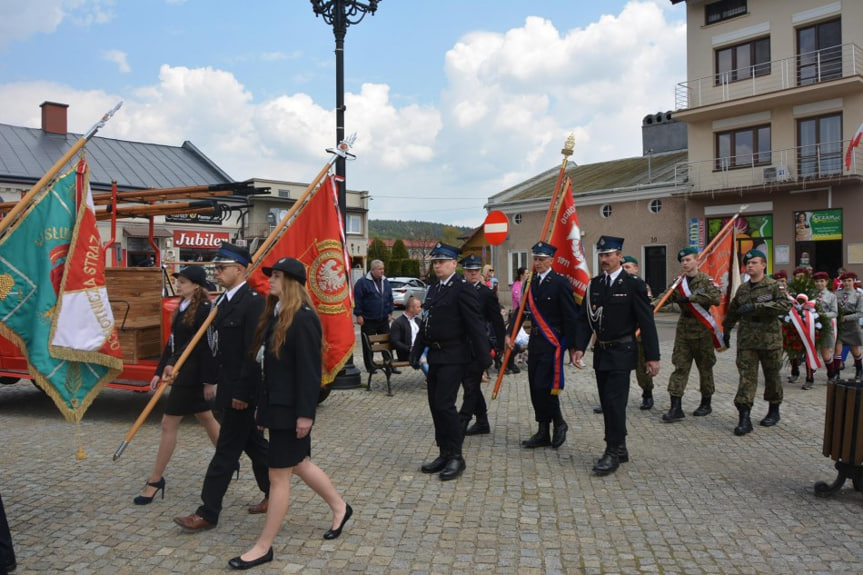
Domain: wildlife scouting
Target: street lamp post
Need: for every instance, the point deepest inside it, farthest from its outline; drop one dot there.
(340, 14)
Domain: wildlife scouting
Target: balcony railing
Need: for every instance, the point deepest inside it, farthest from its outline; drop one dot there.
(797, 71)
(803, 164)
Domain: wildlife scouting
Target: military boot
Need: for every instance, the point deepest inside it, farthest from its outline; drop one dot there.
(795, 371)
(744, 425)
(542, 438)
(646, 400)
(704, 407)
(675, 412)
(559, 433)
(480, 426)
(772, 417)
(609, 462)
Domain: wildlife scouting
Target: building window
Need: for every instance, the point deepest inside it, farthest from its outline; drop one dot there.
(820, 141)
(819, 52)
(724, 10)
(517, 260)
(743, 148)
(605, 211)
(743, 61)
(517, 218)
(354, 224)
(655, 206)
(284, 193)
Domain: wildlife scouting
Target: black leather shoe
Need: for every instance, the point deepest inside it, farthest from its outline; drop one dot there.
(559, 435)
(238, 563)
(396, 371)
(435, 466)
(646, 403)
(597, 409)
(539, 439)
(608, 463)
(10, 567)
(453, 468)
(478, 429)
(513, 369)
(622, 453)
(334, 533)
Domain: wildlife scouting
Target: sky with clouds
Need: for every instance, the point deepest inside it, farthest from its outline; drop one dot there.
(452, 100)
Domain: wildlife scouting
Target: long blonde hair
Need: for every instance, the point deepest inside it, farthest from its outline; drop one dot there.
(292, 297)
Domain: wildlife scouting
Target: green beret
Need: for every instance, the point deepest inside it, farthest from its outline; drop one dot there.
(686, 251)
(629, 260)
(754, 254)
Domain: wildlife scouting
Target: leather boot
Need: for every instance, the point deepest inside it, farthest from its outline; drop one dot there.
(608, 463)
(744, 424)
(559, 435)
(437, 464)
(541, 438)
(704, 408)
(453, 468)
(772, 417)
(675, 412)
(858, 369)
(646, 400)
(480, 426)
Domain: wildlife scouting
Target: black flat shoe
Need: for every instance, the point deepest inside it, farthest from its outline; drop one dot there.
(334, 533)
(240, 564)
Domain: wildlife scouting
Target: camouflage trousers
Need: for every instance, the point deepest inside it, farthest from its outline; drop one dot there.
(747, 366)
(696, 347)
(645, 381)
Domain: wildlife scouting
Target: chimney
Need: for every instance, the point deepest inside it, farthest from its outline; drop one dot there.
(54, 117)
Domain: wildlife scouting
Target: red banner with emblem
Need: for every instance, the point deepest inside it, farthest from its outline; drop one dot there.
(721, 265)
(569, 260)
(315, 238)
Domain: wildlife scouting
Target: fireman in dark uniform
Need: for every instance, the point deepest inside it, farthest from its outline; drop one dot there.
(614, 308)
(473, 402)
(454, 332)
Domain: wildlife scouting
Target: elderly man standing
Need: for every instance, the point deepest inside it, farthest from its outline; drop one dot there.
(757, 305)
(373, 304)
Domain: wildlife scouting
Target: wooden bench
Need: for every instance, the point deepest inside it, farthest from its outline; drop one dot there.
(386, 361)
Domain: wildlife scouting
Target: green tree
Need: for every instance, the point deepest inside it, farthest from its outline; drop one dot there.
(379, 251)
(399, 251)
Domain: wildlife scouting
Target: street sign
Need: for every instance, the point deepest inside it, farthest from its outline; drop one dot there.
(495, 227)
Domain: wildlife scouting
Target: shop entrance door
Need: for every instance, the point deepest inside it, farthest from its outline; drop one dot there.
(655, 268)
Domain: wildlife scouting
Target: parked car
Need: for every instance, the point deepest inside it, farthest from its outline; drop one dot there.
(403, 288)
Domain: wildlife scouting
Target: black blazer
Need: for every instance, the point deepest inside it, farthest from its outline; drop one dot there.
(400, 336)
(199, 368)
(555, 302)
(235, 325)
(292, 383)
(489, 307)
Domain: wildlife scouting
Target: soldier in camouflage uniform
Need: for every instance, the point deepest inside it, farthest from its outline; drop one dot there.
(693, 340)
(758, 305)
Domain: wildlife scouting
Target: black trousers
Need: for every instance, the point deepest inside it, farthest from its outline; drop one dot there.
(540, 375)
(373, 327)
(473, 401)
(443, 383)
(613, 389)
(7, 553)
(238, 434)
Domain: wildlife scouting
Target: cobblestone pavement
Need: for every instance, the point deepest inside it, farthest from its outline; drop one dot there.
(693, 498)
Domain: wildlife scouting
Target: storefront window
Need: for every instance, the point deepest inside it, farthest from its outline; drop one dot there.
(753, 232)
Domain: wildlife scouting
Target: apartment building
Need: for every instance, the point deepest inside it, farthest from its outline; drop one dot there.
(773, 97)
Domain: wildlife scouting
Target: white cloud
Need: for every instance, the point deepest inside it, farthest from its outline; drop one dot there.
(21, 19)
(119, 58)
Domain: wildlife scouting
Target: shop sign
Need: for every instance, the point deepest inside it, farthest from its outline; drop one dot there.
(819, 225)
(195, 218)
(696, 232)
(194, 239)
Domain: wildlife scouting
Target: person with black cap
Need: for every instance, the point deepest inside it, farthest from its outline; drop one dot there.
(694, 336)
(454, 332)
(238, 377)
(289, 338)
(473, 402)
(757, 305)
(552, 310)
(192, 385)
(615, 307)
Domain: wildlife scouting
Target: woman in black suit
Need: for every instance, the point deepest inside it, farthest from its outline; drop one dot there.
(290, 340)
(192, 390)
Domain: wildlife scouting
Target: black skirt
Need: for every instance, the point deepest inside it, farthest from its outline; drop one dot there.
(186, 400)
(286, 450)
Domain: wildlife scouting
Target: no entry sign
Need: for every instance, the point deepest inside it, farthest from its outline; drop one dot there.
(495, 227)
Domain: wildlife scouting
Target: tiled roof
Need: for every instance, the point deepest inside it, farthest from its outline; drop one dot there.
(27, 153)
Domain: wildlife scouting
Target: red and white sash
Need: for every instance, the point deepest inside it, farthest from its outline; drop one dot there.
(702, 315)
(804, 322)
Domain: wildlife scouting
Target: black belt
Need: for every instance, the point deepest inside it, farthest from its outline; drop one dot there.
(444, 344)
(613, 343)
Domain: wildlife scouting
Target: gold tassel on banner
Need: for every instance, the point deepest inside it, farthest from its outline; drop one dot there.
(81, 454)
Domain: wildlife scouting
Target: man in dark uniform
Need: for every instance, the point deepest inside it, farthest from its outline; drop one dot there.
(239, 375)
(454, 332)
(615, 307)
(7, 552)
(553, 315)
(473, 401)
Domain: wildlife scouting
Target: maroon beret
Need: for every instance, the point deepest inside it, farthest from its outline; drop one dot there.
(821, 276)
(848, 275)
(780, 274)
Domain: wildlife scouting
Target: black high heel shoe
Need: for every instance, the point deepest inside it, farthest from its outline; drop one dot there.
(334, 533)
(144, 500)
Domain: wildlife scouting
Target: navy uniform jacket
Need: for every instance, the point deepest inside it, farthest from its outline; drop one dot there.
(235, 324)
(292, 382)
(452, 326)
(199, 368)
(624, 309)
(489, 308)
(555, 302)
(400, 336)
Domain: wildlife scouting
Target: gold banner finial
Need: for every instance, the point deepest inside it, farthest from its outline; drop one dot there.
(569, 146)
